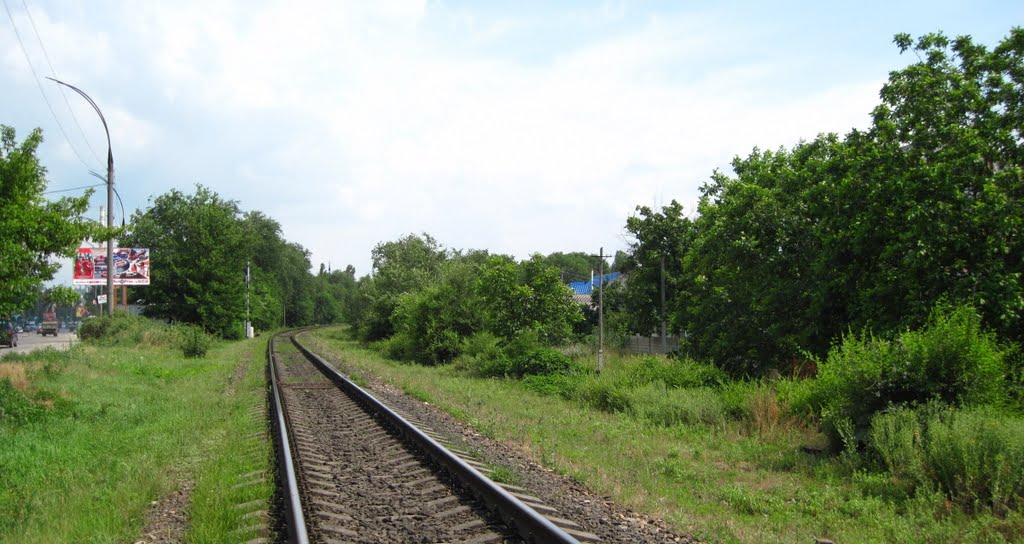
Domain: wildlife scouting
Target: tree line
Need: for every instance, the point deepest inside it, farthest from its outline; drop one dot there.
(793, 249)
(871, 231)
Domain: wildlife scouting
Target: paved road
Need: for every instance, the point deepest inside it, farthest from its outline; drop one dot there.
(30, 341)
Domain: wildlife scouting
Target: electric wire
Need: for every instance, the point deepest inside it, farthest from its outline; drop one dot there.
(40, 85)
(74, 188)
(53, 72)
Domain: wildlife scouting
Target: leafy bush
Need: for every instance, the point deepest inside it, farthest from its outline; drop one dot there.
(399, 347)
(193, 341)
(562, 385)
(896, 437)
(435, 319)
(539, 361)
(125, 329)
(799, 395)
(973, 456)
(604, 395)
(951, 360)
(482, 356)
(487, 355)
(977, 458)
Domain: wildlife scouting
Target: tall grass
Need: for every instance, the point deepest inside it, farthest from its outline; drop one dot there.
(100, 433)
(973, 456)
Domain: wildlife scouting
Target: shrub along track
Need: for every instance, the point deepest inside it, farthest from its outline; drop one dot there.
(363, 477)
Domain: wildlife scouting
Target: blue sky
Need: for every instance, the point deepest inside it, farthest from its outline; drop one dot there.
(518, 127)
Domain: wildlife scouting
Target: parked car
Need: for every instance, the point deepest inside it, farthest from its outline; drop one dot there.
(8, 334)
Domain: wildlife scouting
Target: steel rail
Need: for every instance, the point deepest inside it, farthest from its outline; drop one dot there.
(522, 519)
(295, 520)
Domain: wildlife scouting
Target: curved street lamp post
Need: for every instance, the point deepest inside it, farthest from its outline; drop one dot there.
(110, 195)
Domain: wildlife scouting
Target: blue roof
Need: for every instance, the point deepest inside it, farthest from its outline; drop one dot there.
(587, 287)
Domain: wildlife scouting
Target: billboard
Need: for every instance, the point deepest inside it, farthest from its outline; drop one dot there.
(131, 266)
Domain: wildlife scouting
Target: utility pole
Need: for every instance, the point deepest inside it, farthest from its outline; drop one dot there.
(664, 340)
(248, 325)
(110, 196)
(600, 315)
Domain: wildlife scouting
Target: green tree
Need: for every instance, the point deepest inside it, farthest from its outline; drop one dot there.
(528, 297)
(33, 230)
(199, 250)
(282, 271)
(938, 181)
(659, 237)
(749, 304)
(403, 266)
(62, 295)
(574, 266)
(432, 323)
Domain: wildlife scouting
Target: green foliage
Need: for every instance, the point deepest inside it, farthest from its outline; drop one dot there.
(433, 321)
(561, 384)
(201, 245)
(62, 295)
(403, 266)
(33, 229)
(973, 456)
(15, 407)
(204, 244)
(573, 266)
(123, 329)
(863, 232)
(661, 238)
(126, 330)
(678, 373)
(193, 341)
(951, 360)
(281, 290)
(487, 355)
(667, 406)
(538, 360)
(482, 355)
(528, 297)
(976, 456)
(604, 394)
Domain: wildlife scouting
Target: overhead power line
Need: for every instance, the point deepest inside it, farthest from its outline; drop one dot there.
(39, 84)
(53, 72)
(74, 188)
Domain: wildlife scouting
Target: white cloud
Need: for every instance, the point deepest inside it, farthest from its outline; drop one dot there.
(356, 122)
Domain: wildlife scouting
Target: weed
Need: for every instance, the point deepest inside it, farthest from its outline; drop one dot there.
(193, 341)
(666, 406)
(417, 393)
(504, 474)
(358, 379)
(15, 407)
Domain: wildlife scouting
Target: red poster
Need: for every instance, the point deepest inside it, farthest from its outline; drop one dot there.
(130, 266)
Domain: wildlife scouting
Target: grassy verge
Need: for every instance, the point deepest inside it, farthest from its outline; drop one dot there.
(722, 478)
(92, 436)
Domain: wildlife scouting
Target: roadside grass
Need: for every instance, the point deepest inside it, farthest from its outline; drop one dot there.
(109, 430)
(239, 464)
(734, 473)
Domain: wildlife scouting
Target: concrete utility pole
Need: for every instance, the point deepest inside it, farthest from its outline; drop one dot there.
(600, 314)
(664, 340)
(110, 196)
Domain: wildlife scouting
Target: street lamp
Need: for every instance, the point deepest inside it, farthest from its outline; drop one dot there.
(110, 195)
(117, 194)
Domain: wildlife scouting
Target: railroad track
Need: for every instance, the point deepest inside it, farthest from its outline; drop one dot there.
(355, 470)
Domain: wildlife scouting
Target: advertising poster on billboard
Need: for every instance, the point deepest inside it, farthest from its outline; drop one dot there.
(131, 266)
